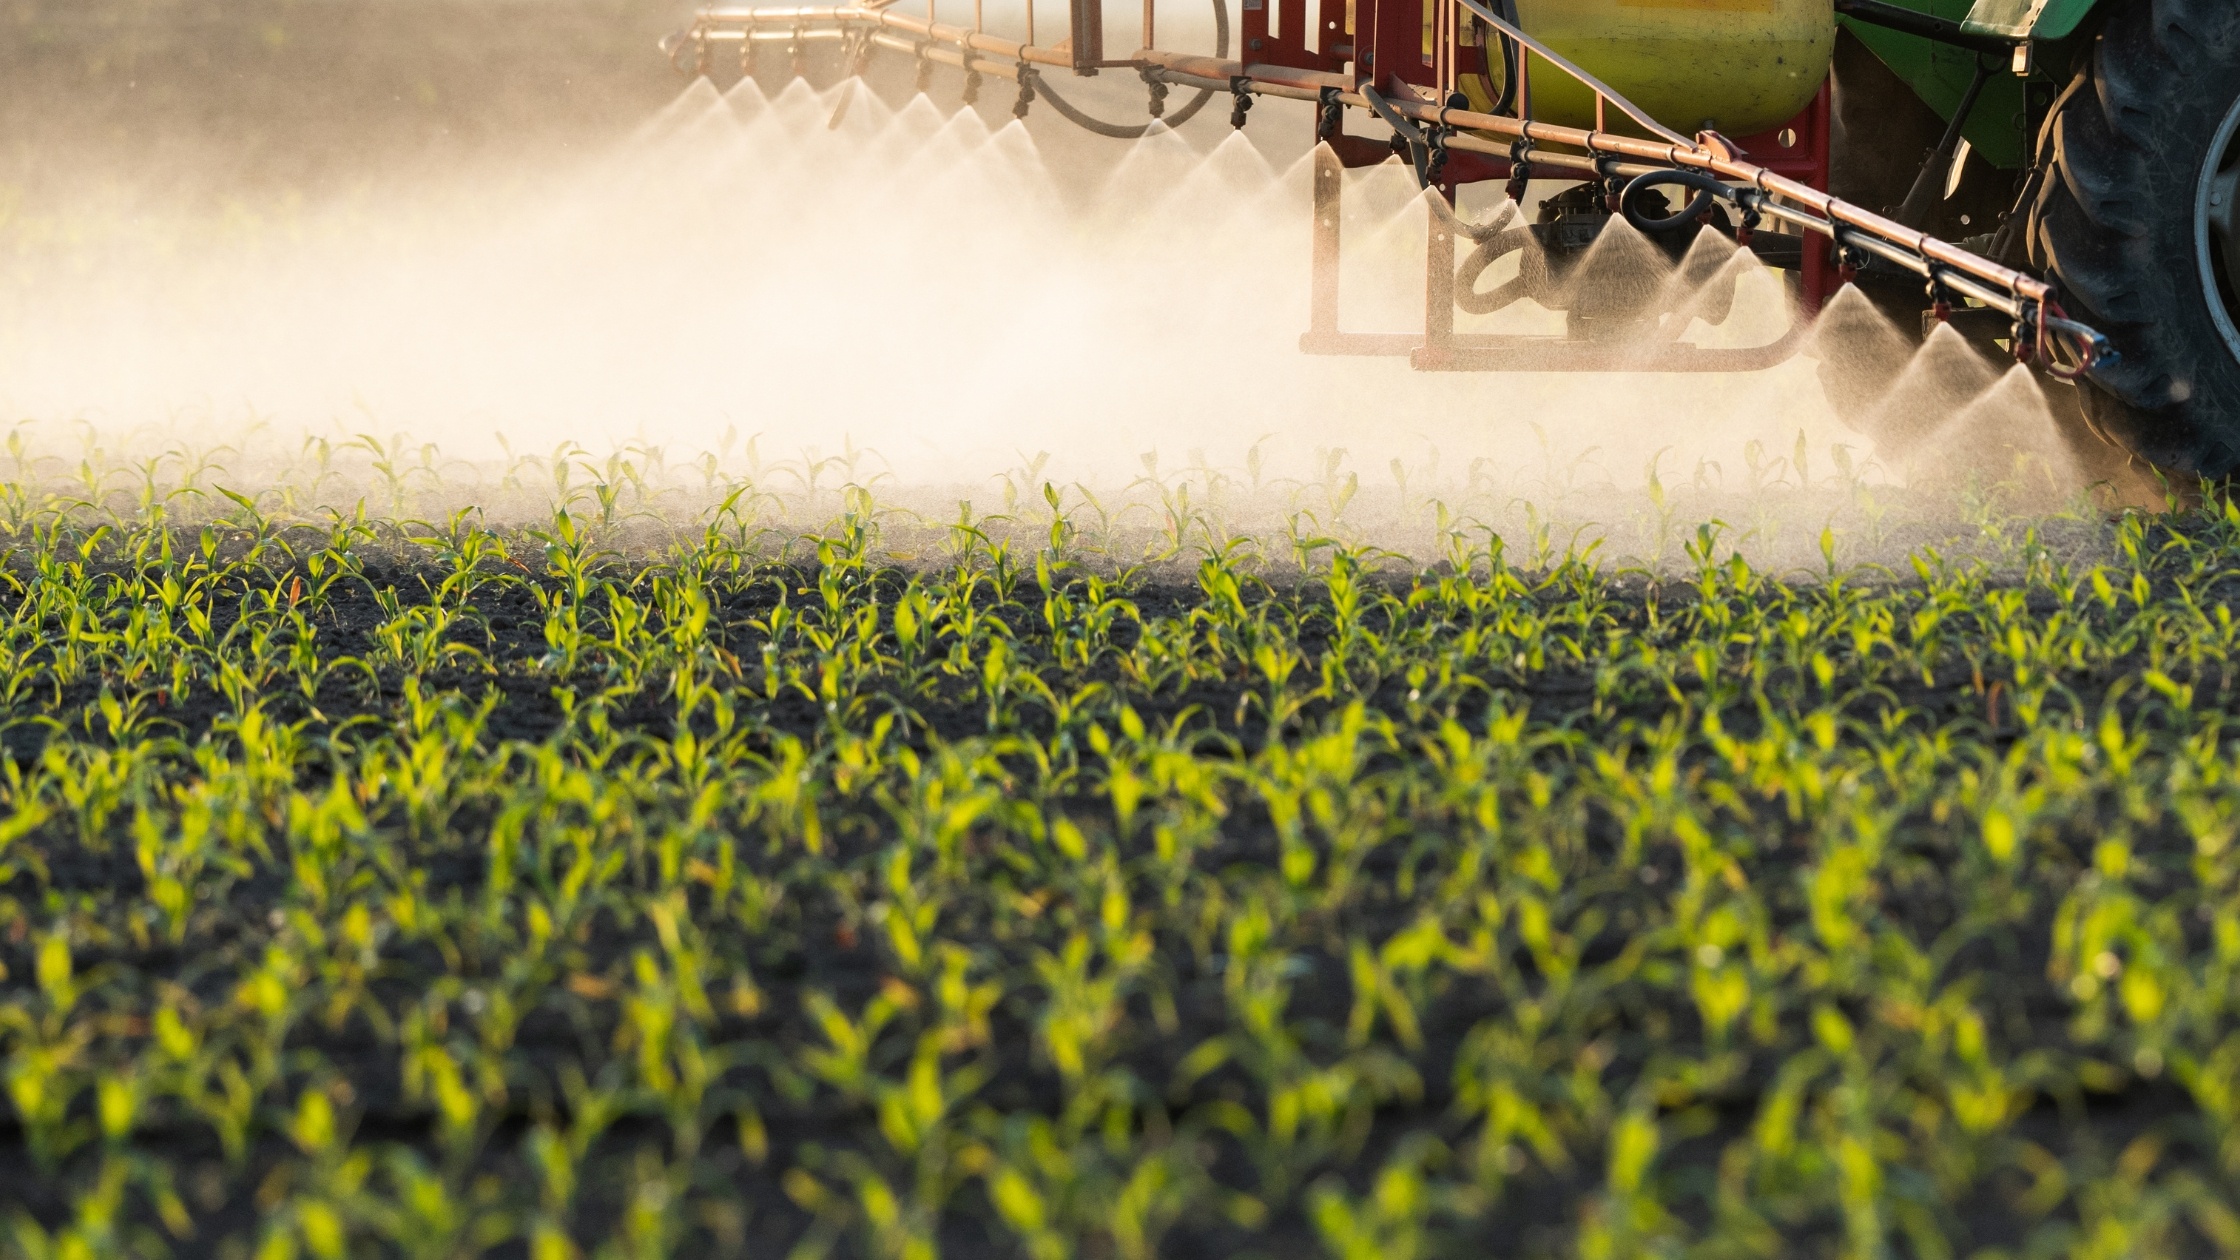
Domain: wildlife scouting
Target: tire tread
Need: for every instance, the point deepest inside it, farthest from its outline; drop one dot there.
(2126, 145)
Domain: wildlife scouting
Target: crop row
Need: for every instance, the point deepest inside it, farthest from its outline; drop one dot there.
(380, 887)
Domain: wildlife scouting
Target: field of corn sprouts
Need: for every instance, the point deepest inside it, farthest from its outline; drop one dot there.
(690, 861)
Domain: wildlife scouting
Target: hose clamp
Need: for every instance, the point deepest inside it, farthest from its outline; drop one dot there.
(1520, 169)
(1613, 184)
(1940, 297)
(1850, 259)
(1158, 88)
(1706, 189)
(1748, 199)
(1435, 144)
(1330, 115)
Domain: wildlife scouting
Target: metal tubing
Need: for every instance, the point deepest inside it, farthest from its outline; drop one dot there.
(1831, 211)
(1177, 78)
(950, 57)
(1881, 249)
(1710, 153)
(779, 37)
(1964, 285)
(935, 32)
(1968, 286)
(1787, 199)
(1467, 143)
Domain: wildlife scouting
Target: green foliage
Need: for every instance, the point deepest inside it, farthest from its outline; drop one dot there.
(377, 887)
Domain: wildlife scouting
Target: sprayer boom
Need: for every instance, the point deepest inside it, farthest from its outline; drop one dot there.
(1457, 94)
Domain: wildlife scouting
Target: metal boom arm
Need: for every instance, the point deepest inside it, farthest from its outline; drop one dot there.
(1350, 76)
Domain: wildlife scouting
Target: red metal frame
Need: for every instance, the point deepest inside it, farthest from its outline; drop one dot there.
(1388, 50)
(1805, 159)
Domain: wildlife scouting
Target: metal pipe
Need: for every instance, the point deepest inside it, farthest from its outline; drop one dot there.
(935, 32)
(1705, 158)
(1830, 212)
(1967, 286)
(740, 37)
(1793, 202)
(1709, 152)
(970, 62)
(826, 13)
(1312, 80)
(1884, 250)
(1177, 78)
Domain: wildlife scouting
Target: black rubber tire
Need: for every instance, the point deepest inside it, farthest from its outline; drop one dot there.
(2113, 227)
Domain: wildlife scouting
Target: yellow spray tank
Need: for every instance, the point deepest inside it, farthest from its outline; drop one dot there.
(1737, 67)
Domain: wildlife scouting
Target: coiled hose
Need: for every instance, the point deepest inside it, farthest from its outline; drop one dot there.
(1495, 239)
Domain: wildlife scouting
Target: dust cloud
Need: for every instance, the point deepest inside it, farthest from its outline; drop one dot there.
(775, 270)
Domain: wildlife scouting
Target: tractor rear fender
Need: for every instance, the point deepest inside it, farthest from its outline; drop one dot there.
(2028, 19)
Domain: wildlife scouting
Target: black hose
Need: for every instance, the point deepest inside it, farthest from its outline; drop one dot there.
(1507, 97)
(1407, 138)
(1120, 131)
(1487, 253)
(1509, 76)
(1496, 238)
(1708, 190)
(1477, 232)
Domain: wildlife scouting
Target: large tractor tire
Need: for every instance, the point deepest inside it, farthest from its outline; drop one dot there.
(2136, 224)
